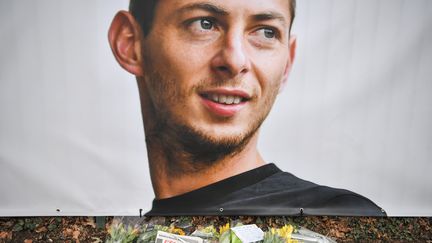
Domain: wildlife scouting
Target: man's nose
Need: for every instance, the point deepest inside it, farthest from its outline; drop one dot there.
(232, 59)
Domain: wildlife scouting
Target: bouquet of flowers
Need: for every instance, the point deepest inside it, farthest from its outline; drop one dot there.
(239, 233)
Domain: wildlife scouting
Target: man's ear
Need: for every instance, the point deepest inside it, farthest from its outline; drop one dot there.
(292, 53)
(124, 36)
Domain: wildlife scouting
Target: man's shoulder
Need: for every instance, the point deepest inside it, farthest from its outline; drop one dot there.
(267, 191)
(285, 194)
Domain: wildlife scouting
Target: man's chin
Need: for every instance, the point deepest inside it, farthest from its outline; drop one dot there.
(225, 137)
(206, 148)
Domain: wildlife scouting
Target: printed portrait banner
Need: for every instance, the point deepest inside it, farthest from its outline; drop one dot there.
(356, 112)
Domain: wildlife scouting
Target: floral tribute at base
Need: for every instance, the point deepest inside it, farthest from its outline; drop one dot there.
(233, 232)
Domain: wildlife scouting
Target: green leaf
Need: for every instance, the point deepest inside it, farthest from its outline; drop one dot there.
(52, 227)
(17, 227)
(234, 238)
(225, 237)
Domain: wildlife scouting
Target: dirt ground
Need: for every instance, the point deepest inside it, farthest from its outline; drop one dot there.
(52, 229)
(342, 229)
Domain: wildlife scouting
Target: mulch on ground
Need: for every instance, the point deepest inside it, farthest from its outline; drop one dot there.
(342, 229)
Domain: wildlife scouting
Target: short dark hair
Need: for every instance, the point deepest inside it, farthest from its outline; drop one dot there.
(143, 12)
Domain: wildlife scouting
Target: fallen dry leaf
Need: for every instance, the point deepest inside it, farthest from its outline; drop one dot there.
(8, 224)
(28, 241)
(67, 232)
(41, 229)
(90, 222)
(76, 234)
(5, 235)
(96, 240)
(337, 233)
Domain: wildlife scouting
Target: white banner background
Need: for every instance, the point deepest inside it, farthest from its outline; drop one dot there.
(356, 113)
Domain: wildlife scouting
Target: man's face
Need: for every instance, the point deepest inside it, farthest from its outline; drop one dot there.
(215, 66)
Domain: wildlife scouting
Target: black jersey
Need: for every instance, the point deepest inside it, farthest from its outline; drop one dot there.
(266, 191)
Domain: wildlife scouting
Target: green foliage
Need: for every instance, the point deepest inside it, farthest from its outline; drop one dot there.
(225, 237)
(272, 238)
(229, 237)
(52, 227)
(18, 226)
(149, 234)
(118, 234)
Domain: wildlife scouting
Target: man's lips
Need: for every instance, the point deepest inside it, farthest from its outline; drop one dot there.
(224, 102)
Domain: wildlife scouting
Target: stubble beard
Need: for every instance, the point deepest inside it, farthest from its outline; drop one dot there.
(187, 148)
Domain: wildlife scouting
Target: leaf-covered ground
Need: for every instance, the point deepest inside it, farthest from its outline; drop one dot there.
(342, 229)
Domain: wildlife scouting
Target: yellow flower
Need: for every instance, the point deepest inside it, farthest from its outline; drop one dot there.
(284, 232)
(177, 231)
(224, 228)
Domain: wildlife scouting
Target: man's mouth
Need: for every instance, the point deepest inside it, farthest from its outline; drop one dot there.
(224, 102)
(225, 99)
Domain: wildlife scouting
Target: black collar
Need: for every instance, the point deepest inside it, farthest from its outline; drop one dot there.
(214, 192)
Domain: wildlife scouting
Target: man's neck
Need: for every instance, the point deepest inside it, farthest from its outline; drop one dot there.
(166, 184)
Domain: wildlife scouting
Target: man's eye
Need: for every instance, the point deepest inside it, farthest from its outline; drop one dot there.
(268, 33)
(206, 24)
(202, 28)
(201, 24)
(266, 36)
